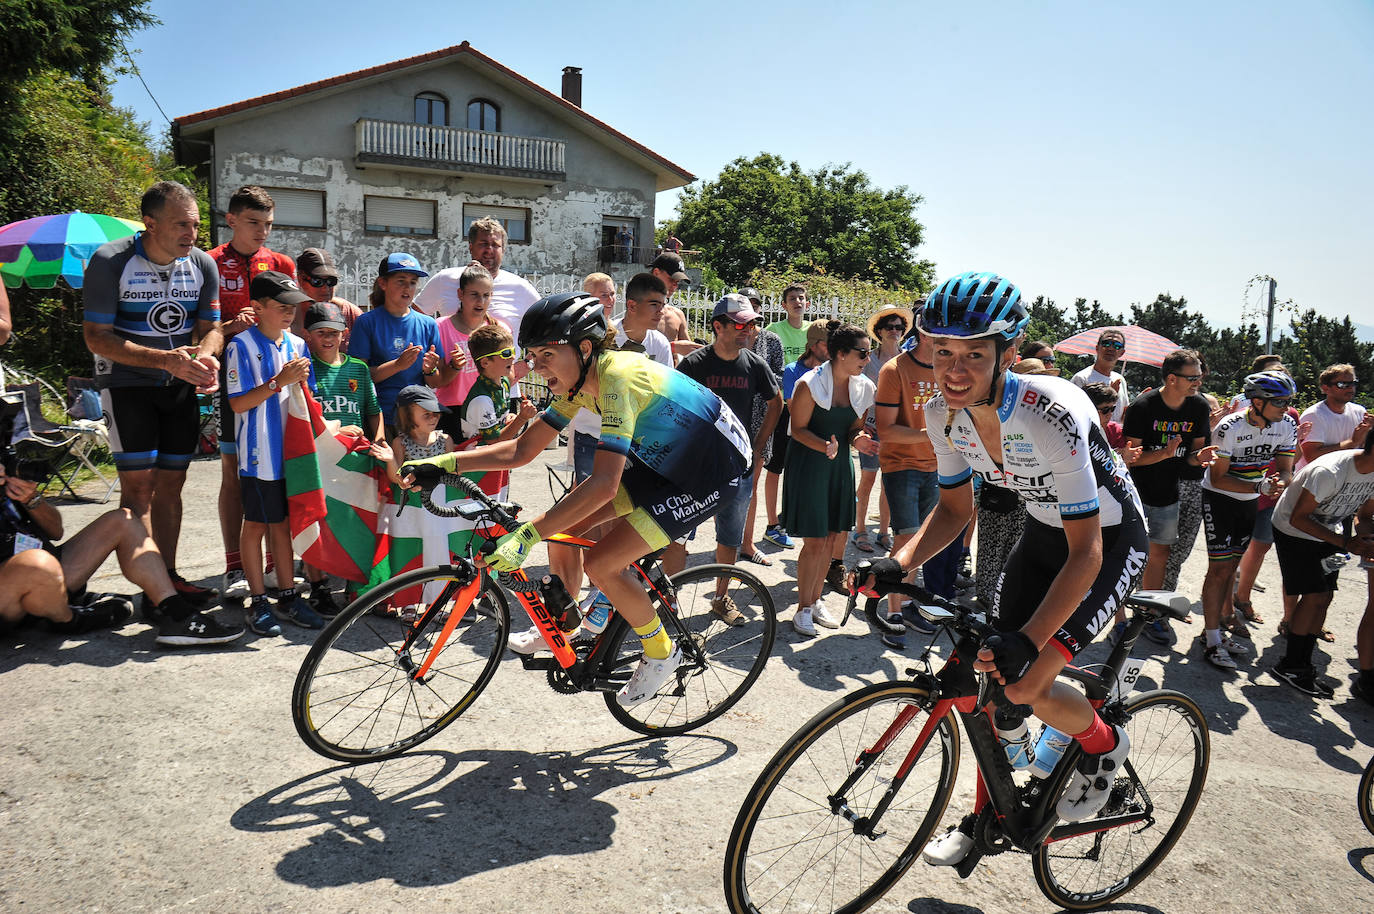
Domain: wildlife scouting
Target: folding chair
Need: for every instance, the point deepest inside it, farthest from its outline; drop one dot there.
(63, 448)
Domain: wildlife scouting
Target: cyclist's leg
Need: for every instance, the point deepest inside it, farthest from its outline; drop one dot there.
(621, 546)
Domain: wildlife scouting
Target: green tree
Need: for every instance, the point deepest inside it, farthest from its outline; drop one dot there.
(78, 37)
(1047, 321)
(767, 214)
(1317, 342)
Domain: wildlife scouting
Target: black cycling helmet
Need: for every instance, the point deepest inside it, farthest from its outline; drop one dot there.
(568, 317)
(1269, 385)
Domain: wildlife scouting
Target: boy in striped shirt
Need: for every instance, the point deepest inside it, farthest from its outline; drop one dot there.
(262, 363)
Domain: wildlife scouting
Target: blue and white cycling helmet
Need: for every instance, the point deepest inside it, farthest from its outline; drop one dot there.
(975, 306)
(1269, 385)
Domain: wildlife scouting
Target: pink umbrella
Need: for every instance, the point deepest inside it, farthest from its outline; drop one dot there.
(1141, 345)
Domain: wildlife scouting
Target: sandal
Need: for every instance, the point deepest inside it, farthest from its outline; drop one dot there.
(1283, 626)
(884, 542)
(758, 558)
(1327, 635)
(1247, 610)
(861, 542)
(1235, 624)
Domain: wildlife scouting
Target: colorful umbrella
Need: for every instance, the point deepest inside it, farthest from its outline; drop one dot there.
(1142, 345)
(41, 274)
(75, 234)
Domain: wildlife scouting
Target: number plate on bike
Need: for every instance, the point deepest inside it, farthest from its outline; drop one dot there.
(1127, 678)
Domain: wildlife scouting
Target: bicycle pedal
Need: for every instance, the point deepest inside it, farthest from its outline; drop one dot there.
(533, 662)
(966, 866)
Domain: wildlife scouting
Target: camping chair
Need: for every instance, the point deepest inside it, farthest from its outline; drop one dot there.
(64, 449)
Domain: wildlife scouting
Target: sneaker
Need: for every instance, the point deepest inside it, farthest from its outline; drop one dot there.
(648, 678)
(1092, 782)
(1218, 656)
(1158, 631)
(95, 611)
(1304, 679)
(834, 578)
(295, 609)
(912, 619)
(193, 592)
(724, 609)
(526, 642)
(233, 585)
(896, 642)
(259, 619)
(824, 616)
(802, 623)
(966, 565)
(778, 537)
(952, 847)
(1117, 631)
(1362, 691)
(322, 601)
(197, 628)
(1233, 646)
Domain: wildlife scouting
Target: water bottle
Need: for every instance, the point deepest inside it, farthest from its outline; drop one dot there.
(1048, 748)
(1015, 739)
(559, 603)
(596, 612)
(1334, 563)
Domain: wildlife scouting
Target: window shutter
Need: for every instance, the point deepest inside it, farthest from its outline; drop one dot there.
(299, 208)
(395, 214)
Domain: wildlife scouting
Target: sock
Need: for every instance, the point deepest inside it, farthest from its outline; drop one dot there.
(284, 594)
(657, 644)
(232, 562)
(1213, 637)
(1100, 737)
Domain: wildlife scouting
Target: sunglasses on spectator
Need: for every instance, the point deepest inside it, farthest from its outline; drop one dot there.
(1107, 408)
(891, 325)
(1047, 359)
(1345, 385)
(330, 281)
(744, 326)
(507, 353)
(1188, 377)
(1111, 344)
(861, 353)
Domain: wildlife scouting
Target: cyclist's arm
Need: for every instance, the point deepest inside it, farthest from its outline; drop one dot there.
(1225, 483)
(503, 455)
(1075, 579)
(585, 498)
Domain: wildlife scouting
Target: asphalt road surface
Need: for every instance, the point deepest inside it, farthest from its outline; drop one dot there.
(134, 778)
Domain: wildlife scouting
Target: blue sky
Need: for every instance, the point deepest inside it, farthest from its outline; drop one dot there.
(1103, 150)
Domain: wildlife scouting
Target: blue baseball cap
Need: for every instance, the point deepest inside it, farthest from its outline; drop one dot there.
(400, 262)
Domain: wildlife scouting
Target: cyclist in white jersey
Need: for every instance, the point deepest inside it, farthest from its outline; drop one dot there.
(1085, 532)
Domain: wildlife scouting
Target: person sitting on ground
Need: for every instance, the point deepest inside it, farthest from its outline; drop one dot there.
(44, 579)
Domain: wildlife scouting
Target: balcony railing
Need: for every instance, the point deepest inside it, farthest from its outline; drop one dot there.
(453, 149)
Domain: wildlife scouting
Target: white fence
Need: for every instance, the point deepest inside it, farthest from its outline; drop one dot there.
(459, 146)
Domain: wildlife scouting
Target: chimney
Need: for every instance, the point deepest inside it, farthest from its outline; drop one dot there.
(572, 85)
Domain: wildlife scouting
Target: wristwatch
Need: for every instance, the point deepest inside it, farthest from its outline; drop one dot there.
(35, 501)
(272, 384)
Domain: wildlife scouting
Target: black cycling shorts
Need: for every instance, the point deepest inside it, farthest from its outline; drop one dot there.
(660, 511)
(1228, 524)
(152, 427)
(1300, 564)
(1038, 557)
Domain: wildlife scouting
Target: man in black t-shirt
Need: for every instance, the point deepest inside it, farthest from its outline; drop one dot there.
(738, 375)
(1169, 424)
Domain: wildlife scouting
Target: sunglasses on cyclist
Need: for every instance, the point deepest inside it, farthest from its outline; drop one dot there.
(330, 281)
(1281, 403)
(1345, 385)
(507, 353)
(1111, 344)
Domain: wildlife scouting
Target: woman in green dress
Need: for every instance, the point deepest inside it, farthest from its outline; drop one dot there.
(827, 410)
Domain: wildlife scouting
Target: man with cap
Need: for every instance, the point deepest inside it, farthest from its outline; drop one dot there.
(673, 324)
(318, 278)
(736, 374)
(400, 345)
(511, 295)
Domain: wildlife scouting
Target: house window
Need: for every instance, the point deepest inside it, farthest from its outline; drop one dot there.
(615, 246)
(399, 216)
(484, 115)
(297, 208)
(515, 220)
(431, 108)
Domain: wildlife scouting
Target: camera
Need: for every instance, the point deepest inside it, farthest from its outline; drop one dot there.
(17, 461)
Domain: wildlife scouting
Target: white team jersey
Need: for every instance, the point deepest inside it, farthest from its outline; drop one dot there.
(1250, 449)
(253, 359)
(1339, 490)
(1052, 452)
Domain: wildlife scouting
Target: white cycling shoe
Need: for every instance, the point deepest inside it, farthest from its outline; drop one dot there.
(1092, 782)
(952, 847)
(650, 676)
(527, 642)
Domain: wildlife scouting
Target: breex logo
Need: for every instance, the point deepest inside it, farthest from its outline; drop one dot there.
(167, 317)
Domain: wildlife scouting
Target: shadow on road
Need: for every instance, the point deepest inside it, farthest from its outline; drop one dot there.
(432, 818)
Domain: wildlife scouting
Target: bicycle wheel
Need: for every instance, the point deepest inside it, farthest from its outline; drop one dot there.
(720, 661)
(795, 846)
(1365, 799)
(1163, 777)
(355, 697)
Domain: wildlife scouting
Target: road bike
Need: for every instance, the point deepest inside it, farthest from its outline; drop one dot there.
(375, 684)
(1364, 799)
(846, 805)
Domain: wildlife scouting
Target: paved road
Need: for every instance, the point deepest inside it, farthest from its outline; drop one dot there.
(138, 779)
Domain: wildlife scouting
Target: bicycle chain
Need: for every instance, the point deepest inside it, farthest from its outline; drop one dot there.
(559, 680)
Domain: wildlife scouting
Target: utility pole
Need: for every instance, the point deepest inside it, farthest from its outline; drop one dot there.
(1269, 320)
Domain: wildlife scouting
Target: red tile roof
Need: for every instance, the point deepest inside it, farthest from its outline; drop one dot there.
(463, 48)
